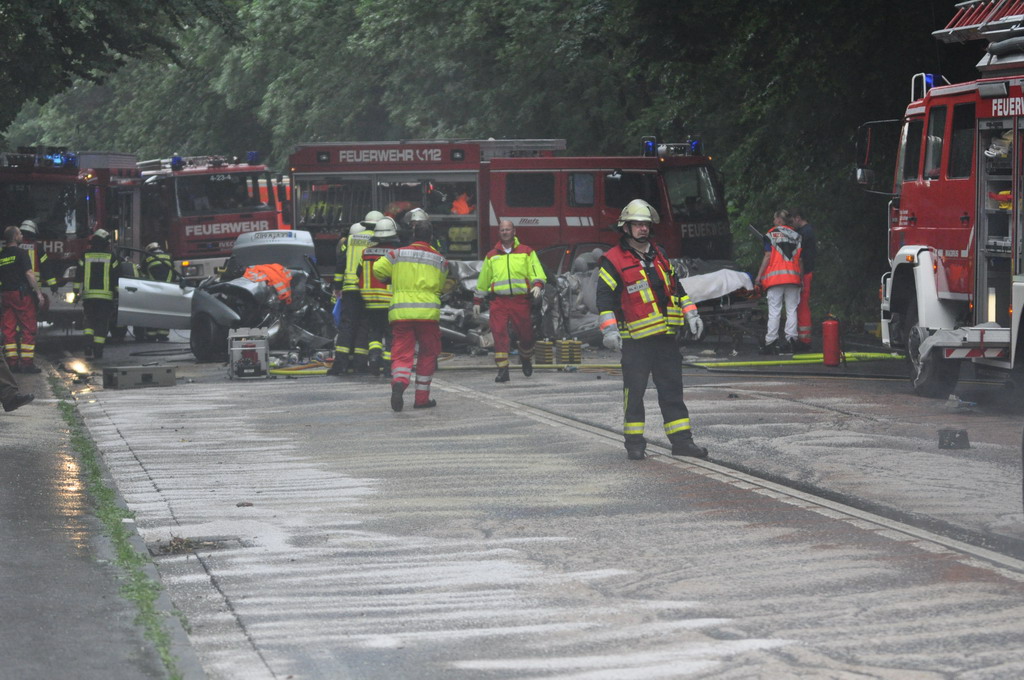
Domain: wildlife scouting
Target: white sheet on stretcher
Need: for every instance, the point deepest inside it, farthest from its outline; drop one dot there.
(716, 284)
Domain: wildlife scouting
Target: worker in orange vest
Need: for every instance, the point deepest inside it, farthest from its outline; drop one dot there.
(781, 274)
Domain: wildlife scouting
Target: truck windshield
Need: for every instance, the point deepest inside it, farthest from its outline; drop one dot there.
(59, 210)
(223, 192)
(694, 193)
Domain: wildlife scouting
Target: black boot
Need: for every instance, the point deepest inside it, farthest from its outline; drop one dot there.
(685, 446)
(17, 401)
(375, 362)
(502, 375)
(527, 367)
(340, 365)
(636, 448)
(397, 389)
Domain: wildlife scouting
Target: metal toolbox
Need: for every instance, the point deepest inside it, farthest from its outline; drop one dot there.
(130, 377)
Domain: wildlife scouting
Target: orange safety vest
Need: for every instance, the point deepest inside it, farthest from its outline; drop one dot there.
(784, 257)
(273, 275)
(461, 206)
(376, 293)
(641, 316)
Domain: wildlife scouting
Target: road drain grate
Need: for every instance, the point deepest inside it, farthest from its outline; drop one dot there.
(183, 545)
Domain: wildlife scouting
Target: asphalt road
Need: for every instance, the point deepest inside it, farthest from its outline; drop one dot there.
(504, 533)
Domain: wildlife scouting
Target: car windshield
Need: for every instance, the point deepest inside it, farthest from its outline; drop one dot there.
(58, 209)
(224, 192)
(291, 249)
(694, 193)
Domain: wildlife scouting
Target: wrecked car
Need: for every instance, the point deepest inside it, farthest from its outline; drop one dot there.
(724, 296)
(270, 281)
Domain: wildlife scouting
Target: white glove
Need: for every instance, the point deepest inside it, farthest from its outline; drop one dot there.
(693, 321)
(612, 340)
(536, 292)
(476, 311)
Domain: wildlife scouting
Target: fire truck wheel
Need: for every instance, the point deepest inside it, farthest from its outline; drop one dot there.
(934, 378)
(208, 339)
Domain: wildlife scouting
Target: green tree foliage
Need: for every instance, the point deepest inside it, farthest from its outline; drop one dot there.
(49, 43)
(776, 89)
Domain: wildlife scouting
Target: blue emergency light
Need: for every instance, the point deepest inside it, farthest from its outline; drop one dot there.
(252, 157)
(177, 163)
(650, 146)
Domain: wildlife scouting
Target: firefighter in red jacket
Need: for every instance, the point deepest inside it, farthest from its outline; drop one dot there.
(642, 306)
(511, 277)
(418, 274)
(20, 294)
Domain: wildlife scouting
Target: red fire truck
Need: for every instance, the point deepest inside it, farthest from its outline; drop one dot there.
(195, 206)
(955, 289)
(466, 186)
(68, 195)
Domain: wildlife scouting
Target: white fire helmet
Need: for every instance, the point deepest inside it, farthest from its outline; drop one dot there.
(385, 228)
(371, 218)
(101, 234)
(638, 210)
(356, 228)
(28, 227)
(416, 215)
(153, 247)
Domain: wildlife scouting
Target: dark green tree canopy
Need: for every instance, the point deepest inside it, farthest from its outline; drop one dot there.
(776, 89)
(49, 43)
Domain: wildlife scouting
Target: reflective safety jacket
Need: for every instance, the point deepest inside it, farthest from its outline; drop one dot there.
(784, 258)
(346, 277)
(97, 275)
(417, 273)
(159, 267)
(275, 276)
(40, 264)
(641, 296)
(376, 293)
(512, 273)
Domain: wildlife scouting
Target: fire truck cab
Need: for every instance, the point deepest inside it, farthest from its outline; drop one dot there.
(467, 186)
(955, 287)
(196, 206)
(68, 195)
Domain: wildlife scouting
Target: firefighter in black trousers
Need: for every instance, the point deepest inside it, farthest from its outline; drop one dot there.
(96, 285)
(158, 267)
(642, 307)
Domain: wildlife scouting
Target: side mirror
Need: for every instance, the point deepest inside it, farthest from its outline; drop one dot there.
(865, 176)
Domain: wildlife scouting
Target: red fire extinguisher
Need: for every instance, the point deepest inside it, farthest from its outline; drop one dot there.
(831, 352)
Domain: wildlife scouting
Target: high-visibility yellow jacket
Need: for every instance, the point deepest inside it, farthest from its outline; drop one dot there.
(346, 276)
(97, 275)
(417, 273)
(159, 267)
(512, 273)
